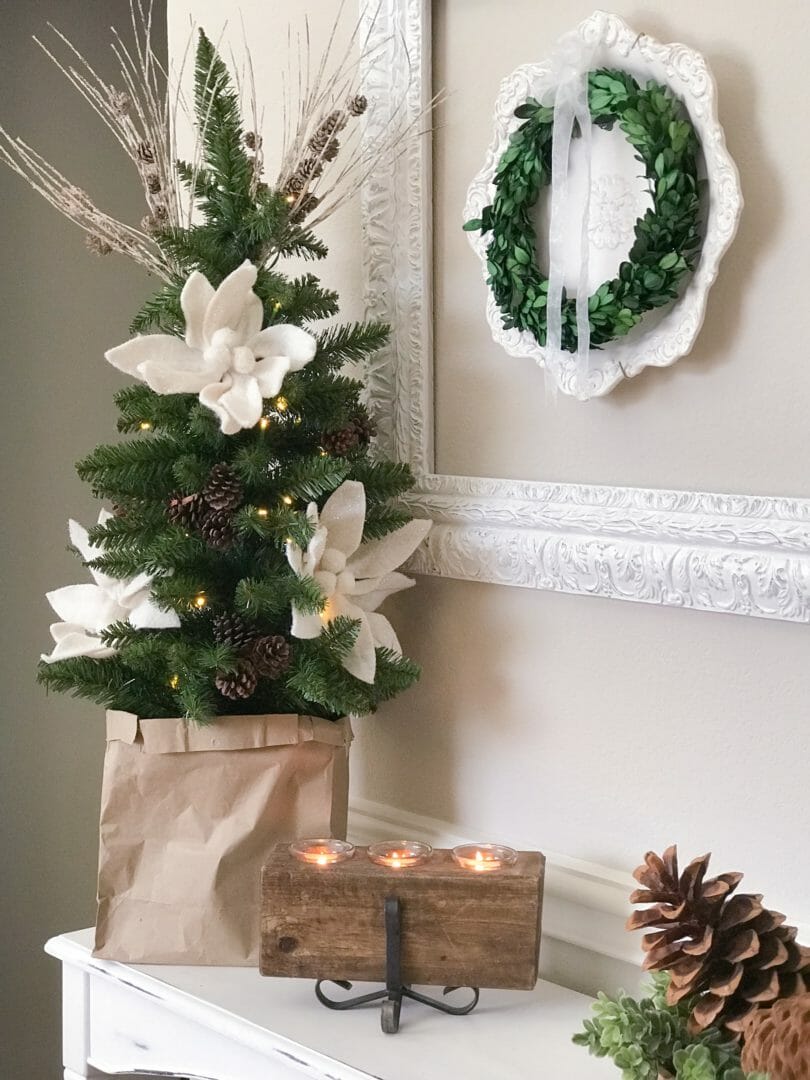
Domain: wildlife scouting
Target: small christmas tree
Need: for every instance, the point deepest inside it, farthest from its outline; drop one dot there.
(252, 534)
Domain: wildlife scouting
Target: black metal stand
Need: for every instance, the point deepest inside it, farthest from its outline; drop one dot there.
(395, 990)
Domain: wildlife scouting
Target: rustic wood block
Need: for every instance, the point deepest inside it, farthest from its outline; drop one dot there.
(459, 928)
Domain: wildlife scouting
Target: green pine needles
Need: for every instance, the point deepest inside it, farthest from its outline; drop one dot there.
(226, 575)
(648, 1039)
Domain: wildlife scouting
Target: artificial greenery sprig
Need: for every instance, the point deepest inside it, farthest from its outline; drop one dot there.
(647, 1039)
(205, 520)
(667, 236)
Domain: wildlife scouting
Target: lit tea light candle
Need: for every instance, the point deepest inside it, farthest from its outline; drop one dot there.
(400, 854)
(321, 852)
(482, 858)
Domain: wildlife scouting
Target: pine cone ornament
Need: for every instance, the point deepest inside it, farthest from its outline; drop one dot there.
(185, 510)
(325, 145)
(365, 427)
(357, 105)
(270, 655)
(238, 684)
(340, 442)
(232, 630)
(777, 1040)
(333, 123)
(730, 951)
(223, 489)
(216, 529)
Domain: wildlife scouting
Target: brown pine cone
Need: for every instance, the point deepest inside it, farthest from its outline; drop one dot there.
(216, 529)
(365, 427)
(333, 123)
(357, 105)
(309, 169)
(306, 206)
(185, 510)
(730, 951)
(776, 1041)
(237, 684)
(295, 185)
(223, 489)
(270, 655)
(340, 442)
(326, 146)
(231, 629)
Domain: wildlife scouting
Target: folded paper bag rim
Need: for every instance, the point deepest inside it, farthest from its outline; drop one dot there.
(176, 735)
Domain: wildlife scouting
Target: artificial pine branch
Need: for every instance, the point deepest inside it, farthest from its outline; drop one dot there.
(235, 565)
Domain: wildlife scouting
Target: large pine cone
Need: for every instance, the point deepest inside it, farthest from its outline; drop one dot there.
(223, 489)
(216, 529)
(777, 1040)
(185, 510)
(270, 655)
(730, 951)
(231, 629)
(238, 684)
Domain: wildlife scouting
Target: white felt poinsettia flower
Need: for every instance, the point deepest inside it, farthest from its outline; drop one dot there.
(226, 358)
(89, 609)
(354, 577)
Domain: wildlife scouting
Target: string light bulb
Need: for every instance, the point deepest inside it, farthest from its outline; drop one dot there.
(282, 404)
(262, 511)
(289, 199)
(287, 500)
(277, 307)
(264, 423)
(174, 682)
(145, 425)
(200, 600)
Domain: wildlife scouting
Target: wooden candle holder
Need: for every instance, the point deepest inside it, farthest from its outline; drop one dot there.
(457, 927)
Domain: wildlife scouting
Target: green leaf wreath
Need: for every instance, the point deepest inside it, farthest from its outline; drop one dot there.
(667, 237)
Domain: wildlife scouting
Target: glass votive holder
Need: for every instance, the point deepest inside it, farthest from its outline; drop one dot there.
(399, 854)
(484, 858)
(321, 852)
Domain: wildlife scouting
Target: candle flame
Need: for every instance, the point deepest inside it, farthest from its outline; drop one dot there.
(322, 860)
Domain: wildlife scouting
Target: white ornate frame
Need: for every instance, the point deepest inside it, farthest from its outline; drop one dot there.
(741, 554)
(665, 338)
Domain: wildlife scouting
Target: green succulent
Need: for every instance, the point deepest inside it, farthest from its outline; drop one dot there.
(648, 1038)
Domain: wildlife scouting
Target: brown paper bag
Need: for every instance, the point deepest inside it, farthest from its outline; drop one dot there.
(188, 815)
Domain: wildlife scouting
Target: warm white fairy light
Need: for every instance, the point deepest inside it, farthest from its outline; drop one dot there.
(264, 423)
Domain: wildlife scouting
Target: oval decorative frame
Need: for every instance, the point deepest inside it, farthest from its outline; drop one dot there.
(686, 72)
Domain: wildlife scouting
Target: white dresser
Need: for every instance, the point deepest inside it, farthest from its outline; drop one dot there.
(232, 1024)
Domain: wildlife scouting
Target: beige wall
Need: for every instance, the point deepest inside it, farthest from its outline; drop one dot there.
(597, 728)
(61, 307)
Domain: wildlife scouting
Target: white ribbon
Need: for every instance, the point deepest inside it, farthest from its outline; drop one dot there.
(568, 94)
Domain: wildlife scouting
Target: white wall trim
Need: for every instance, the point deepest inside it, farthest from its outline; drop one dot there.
(733, 553)
(584, 904)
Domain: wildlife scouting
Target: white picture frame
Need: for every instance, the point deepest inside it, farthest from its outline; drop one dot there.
(662, 337)
(740, 554)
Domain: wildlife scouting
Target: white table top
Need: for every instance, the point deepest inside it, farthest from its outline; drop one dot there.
(511, 1035)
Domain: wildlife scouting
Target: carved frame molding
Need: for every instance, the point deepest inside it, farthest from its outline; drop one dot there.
(740, 554)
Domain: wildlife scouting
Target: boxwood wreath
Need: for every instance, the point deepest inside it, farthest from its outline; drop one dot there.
(667, 237)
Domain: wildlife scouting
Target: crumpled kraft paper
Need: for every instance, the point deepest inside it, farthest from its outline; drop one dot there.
(188, 816)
